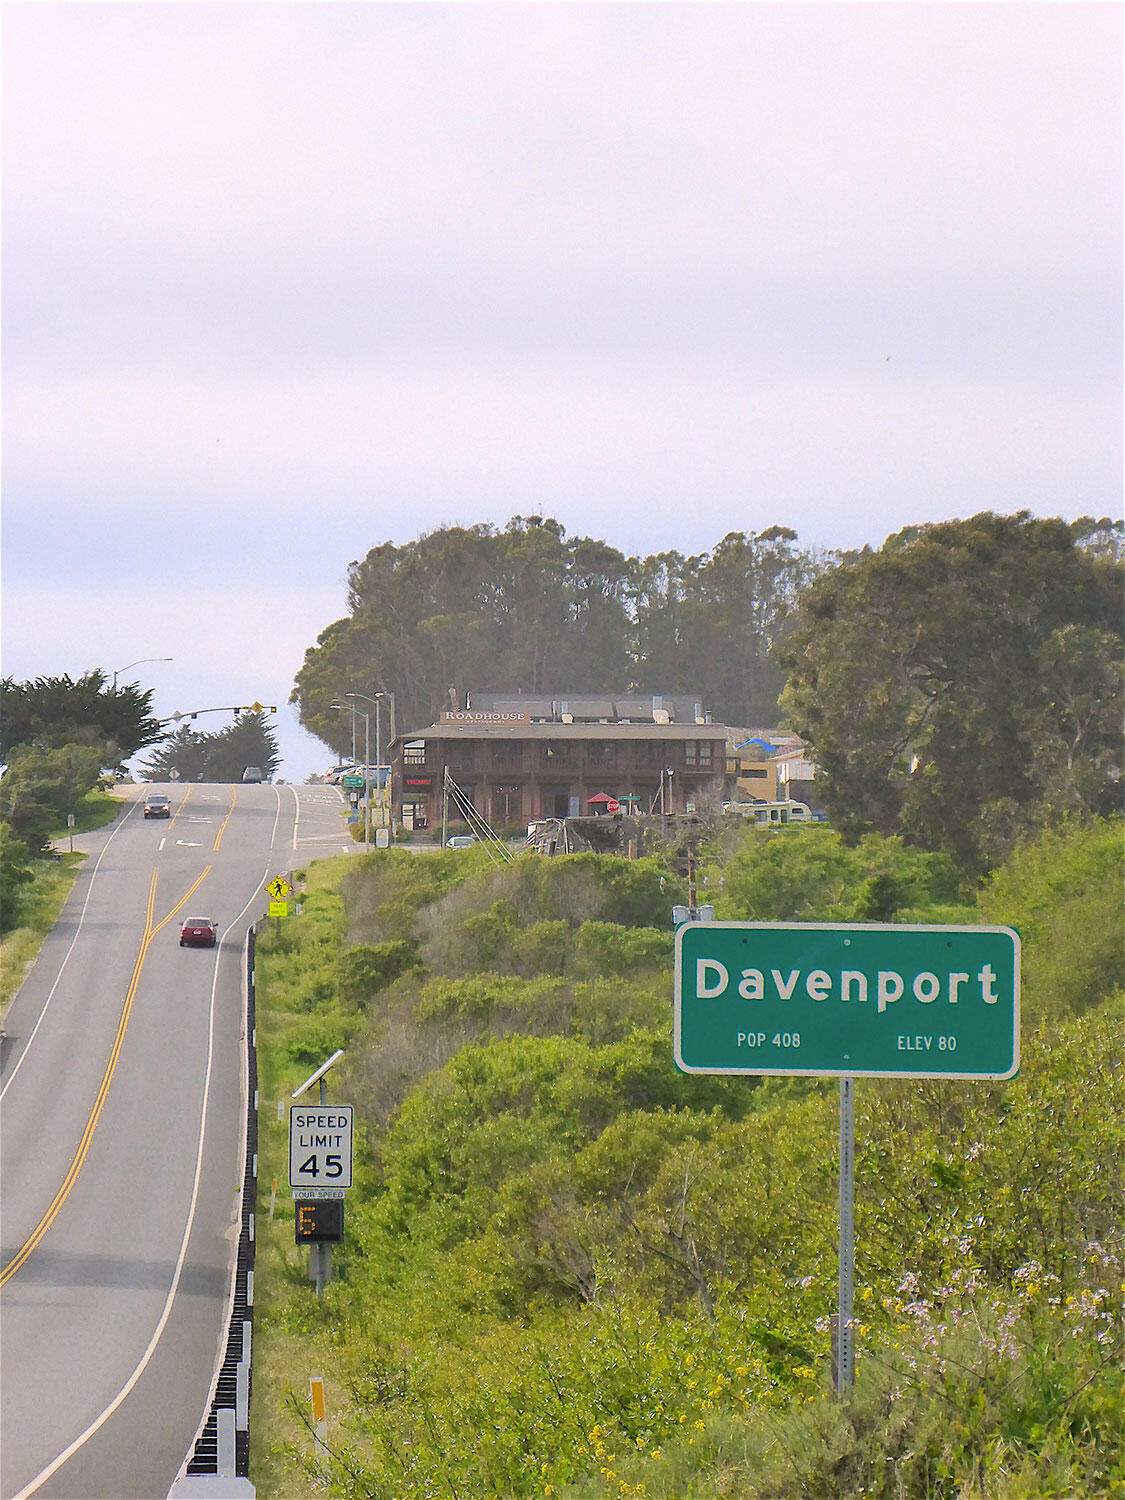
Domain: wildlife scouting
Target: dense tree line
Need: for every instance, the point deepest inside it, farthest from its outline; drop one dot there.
(527, 608)
(49, 712)
(958, 686)
(58, 735)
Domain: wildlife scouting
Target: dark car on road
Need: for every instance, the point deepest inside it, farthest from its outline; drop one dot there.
(198, 932)
(158, 807)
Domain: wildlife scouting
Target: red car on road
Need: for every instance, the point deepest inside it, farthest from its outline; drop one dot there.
(198, 932)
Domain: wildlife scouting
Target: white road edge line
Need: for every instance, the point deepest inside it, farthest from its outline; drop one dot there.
(224, 1327)
(100, 1421)
(69, 951)
(276, 818)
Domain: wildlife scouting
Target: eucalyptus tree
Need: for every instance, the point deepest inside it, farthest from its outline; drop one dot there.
(963, 682)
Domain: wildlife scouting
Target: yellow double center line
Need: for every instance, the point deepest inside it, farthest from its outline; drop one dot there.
(88, 1133)
(226, 820)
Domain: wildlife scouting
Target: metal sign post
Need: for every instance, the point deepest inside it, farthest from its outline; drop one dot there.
(844, 1372)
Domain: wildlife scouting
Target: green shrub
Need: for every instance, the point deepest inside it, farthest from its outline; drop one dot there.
(362, 971)
(811, 875)
(383, 892)
(1062, 892)
(605, 948)
(542, 948)
(15, 876)
(42, 785)
(316, 1039)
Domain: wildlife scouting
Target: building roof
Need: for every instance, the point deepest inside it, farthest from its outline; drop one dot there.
(629, 731)
(681, 708)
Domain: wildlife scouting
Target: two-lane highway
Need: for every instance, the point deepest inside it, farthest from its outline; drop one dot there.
(122, 1117)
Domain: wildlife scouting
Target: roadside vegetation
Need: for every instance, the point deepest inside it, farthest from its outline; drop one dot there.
(569, 1270)
(34, 888)
(62, 740)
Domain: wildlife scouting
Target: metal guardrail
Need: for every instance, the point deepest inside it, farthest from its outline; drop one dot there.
(223, 1445)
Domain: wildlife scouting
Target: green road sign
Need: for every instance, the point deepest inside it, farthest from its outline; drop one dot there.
(836, 999)
(353, 780)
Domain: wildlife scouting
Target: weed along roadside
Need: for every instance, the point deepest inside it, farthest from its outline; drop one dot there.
(569, 1267)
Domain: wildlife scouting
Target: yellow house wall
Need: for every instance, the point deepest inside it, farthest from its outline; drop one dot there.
(757, 788)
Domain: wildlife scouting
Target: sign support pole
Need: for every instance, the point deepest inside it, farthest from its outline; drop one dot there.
(321, 1255)
(845, 1330)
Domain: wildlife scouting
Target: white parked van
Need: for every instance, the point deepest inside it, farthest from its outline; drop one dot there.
(772, 814)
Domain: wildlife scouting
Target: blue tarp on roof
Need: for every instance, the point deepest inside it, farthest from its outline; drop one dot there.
(765, 745)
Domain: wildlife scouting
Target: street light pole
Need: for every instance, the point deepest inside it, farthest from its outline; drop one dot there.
(369, 698)
(352, 707)
(366, 784)
(140, 661)
(366, 758)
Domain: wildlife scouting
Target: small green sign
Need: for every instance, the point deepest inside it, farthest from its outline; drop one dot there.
(353, 780)
(862, 1000)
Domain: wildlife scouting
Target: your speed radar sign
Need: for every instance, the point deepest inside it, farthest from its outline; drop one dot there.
(320, 1146)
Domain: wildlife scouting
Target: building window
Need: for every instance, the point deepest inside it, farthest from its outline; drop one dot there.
(697, 754)
(507, 801)
(414, 753)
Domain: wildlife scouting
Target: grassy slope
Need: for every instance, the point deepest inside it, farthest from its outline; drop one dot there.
(416, 1349)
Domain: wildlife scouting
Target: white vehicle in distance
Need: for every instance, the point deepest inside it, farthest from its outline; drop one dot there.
(460, 841)
(772, 814)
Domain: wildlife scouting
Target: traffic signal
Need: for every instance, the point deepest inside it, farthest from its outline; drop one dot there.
(319, 1221)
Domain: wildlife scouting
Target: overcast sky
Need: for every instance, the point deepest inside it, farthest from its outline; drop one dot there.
(285, 281)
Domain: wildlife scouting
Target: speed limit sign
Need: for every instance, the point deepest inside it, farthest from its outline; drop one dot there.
(320, 1146)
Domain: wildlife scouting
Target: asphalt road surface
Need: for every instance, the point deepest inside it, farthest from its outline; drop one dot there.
(121, 1138)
